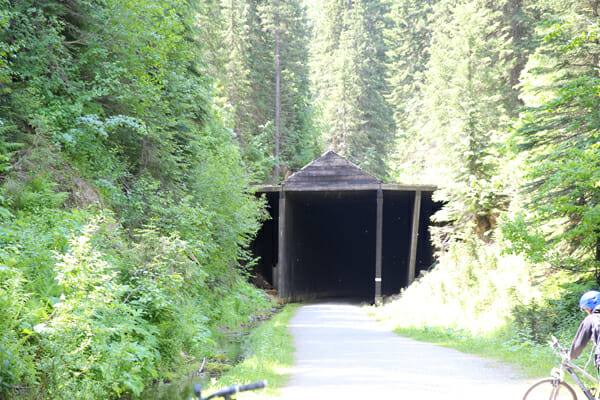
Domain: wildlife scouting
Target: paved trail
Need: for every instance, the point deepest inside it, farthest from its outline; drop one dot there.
(342, 353)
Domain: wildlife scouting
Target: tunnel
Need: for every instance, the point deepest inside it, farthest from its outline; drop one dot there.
(331, 246)
(346, 236)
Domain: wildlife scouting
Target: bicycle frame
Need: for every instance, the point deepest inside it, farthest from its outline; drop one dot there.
(572, 370)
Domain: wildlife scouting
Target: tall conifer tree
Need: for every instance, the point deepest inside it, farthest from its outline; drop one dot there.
(559, 137)
(350, 77)
(288, 21)
(409, 40)
(464, 110)
(250, 28)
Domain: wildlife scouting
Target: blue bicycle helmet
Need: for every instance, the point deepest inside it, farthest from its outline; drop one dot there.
(589, 299)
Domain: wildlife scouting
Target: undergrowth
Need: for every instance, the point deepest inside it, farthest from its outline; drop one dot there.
(479, 300)
(267, 354)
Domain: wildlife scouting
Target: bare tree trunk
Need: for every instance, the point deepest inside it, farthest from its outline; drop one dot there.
(277, 95)
(595, 55)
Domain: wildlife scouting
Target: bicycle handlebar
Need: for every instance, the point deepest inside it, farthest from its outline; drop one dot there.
(231, 390)
(562, 351)
(253, 386)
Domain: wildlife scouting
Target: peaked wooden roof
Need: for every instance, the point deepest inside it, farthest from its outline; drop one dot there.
(331, 172)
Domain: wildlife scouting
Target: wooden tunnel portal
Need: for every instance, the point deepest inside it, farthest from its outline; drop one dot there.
(337, 232)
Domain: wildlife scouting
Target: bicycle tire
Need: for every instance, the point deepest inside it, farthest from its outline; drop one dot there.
(550, 389)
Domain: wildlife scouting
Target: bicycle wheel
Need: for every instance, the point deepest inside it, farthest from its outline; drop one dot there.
(550, 389)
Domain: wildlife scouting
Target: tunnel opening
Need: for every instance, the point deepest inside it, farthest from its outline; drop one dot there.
(264, 247)
(397, 222)
(331, 245)
(426, 258)
(336, 231)
(330, 242)
(398, 210)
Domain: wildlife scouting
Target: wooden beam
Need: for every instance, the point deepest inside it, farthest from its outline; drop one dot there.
(342, 186)
(339, 187)
(282, 284)
(378, 244)
(414, 237)
(404, 188)
(265, 188)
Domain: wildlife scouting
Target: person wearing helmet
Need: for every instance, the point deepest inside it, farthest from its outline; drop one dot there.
(589, 327)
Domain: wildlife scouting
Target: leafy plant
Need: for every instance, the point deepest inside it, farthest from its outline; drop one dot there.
(558, 136)
(15, 359)
(99, 341)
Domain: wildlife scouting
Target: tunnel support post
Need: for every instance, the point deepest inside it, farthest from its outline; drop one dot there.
(281, 259)
(378, 244)
(414, 237)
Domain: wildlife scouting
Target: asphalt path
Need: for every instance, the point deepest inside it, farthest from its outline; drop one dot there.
(343, 353)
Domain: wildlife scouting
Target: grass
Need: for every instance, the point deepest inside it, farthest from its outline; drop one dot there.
(530, 360)
(469, 302)
(268, 354)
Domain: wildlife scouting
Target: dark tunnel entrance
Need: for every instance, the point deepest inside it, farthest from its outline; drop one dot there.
(330, 242)
(264, 247)
(398, 209)
(331, 247)
(336, 231)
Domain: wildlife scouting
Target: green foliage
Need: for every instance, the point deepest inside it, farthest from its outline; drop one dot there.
(299, 144)
(556, 313)
(267, 352)
(124, 203)
(455, 92)
(481, 301)
(409, 41)
(350, 71)
(96, 343)
(38, 194)
(244, 68)
(474, 287)
(558, 135)
(28, 289)
(124, 208)
(125, 313)
(523, 241)
(552, 222)
(464, 101)
(15, 358)
(6, 49)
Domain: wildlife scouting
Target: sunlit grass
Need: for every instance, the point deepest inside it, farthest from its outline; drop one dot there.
(268, 354)
(465, 303)
(531, 361)
(470, 289)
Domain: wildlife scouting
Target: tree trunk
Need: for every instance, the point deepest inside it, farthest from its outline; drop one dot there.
(277, 95)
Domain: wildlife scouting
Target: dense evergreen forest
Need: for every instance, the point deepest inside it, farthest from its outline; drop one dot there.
(131, 133)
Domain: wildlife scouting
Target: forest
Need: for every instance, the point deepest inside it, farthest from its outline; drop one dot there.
(133, 132)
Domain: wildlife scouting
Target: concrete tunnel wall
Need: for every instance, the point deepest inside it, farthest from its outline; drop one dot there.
(331, 242)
